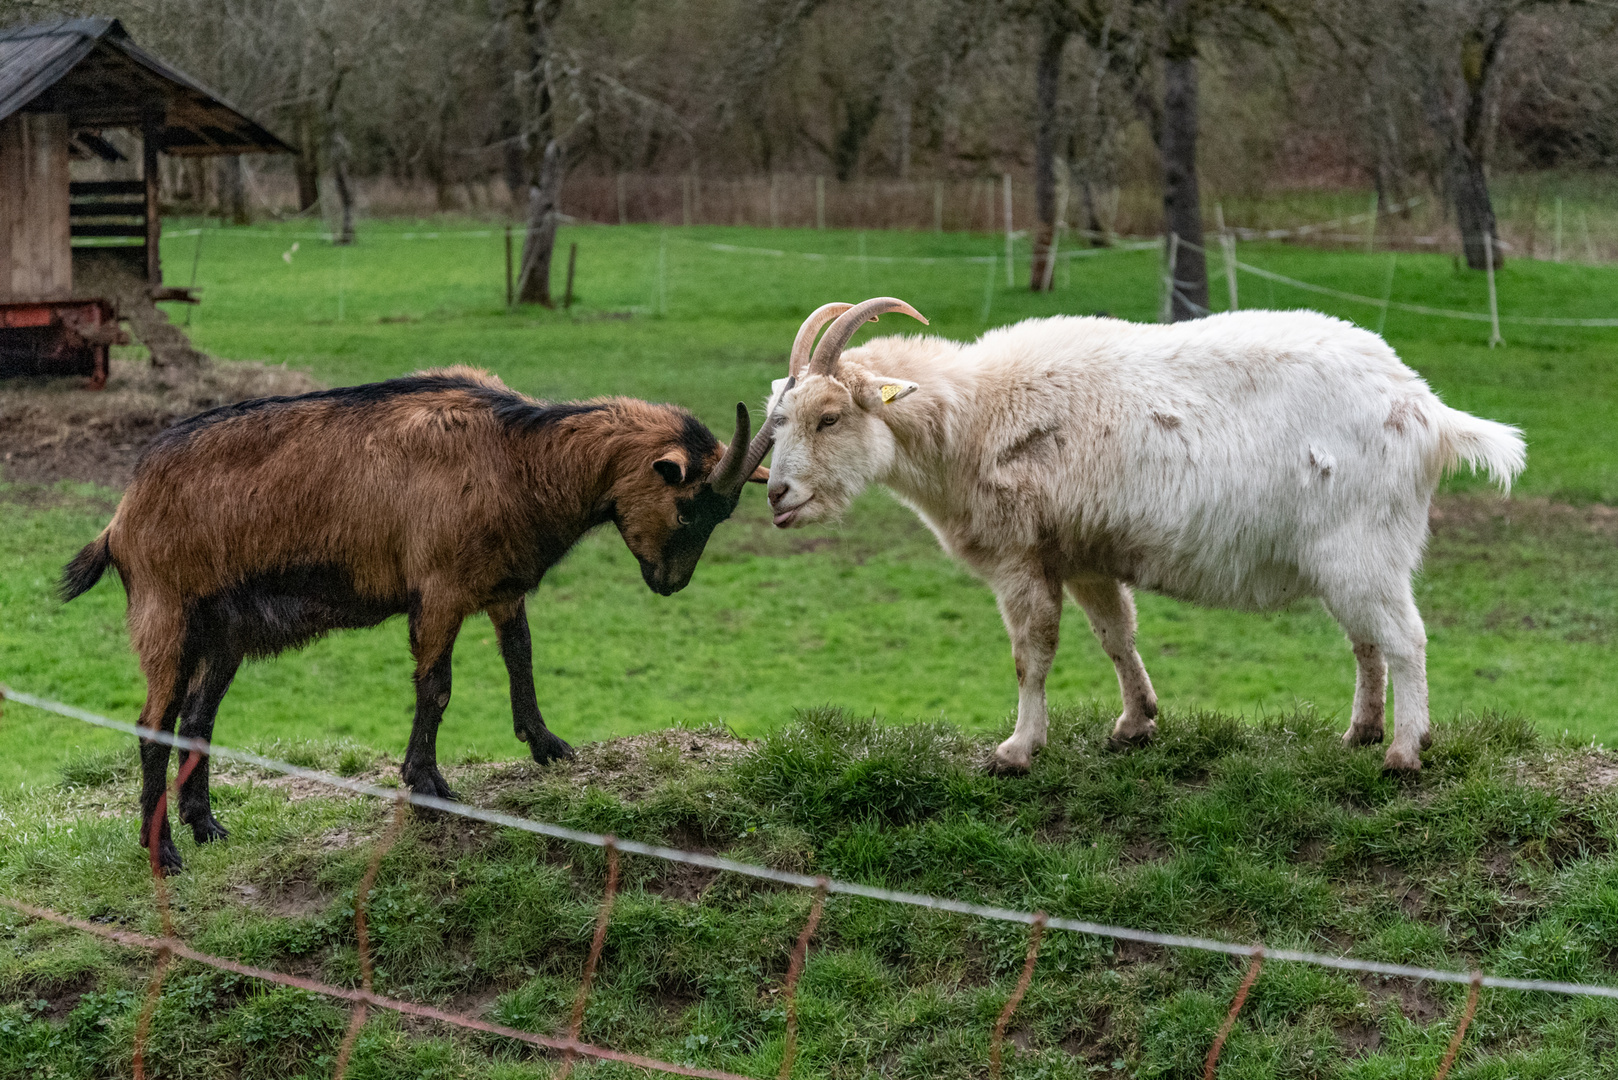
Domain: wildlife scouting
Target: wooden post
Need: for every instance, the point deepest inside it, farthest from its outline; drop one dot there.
(820, 202)
(775, 216)
(510, 290)
(1370, 228)
(572, 261)
(623, 208)
(1006, 183)
(685, 200)
(1171, 260)
(938, 206)
(1494, 307)
(1558, 248)
(151, 134)
(1227, 241)
(1387, 292)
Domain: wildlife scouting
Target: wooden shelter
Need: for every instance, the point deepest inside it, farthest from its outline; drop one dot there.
(63, 83)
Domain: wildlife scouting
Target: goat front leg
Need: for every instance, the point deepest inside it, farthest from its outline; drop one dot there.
(432, 641)
(1031, 605)
(517, 650)
(1110, 607)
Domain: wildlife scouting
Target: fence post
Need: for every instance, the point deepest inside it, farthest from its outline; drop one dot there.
(1559, 228)
(623, 208)
(775, 218)
(820, 202)
(1172, 252)
(1011, 279)
(510, 293)
(1494, 307)
(1227, 243)
(572, 261)
(1387, 292)
(685, 198)
(988, 287)
(938, 206)
(1370, 229)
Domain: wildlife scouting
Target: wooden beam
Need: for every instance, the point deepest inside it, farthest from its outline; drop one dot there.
(151, 131)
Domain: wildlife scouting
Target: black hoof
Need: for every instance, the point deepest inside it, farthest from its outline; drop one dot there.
(548, 748)
(428, 781)
(168, 858)
(208, 830)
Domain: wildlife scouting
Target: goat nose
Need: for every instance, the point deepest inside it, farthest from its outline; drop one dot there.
(778, 492)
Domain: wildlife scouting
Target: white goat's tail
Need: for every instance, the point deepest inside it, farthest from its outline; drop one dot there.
(1483, 445)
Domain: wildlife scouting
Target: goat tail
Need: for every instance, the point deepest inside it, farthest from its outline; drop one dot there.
(86, 568)
(1484, 445)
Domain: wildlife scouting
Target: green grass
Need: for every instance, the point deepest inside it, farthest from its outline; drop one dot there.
(868, 615)
(1500, 855)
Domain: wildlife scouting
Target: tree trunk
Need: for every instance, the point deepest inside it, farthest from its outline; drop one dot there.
(1182, 205)
(307, 166)
(1047, 84)
(539, 243)
(1469, 186)
(338, 160)
(1474, 213)
(232, 190)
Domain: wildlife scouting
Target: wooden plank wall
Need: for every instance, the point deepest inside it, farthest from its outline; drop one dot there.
(36, 259)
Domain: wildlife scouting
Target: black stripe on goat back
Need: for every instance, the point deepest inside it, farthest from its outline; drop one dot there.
(509, 407)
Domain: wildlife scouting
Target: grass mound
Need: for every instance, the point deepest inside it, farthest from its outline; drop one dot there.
(1500, 855)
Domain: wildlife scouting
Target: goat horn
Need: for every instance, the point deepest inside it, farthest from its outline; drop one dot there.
(733, 470)
(806, 334)
(824, 361)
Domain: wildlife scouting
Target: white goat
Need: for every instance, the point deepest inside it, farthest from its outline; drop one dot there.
(1239, 461)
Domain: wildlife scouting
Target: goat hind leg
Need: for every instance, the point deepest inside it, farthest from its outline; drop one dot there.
(165, 683)
(1031, 605)
(1389, 619)
(517, 650)
(432, 640)
(196, 722)
(1370, 696)
(1110, 607)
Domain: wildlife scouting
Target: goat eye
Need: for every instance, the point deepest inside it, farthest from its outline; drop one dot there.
(828, 420)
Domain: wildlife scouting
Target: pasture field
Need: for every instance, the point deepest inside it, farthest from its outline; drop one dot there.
(1500, 855)
(1521, 597)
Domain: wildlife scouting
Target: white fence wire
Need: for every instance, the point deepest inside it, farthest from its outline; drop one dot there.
(809, 881)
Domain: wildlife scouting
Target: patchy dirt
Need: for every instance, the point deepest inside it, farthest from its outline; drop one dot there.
(630, 766)
(1414, 998)
(1488, 516)
(1580, 774)
(52, 429)
(1358, 1040)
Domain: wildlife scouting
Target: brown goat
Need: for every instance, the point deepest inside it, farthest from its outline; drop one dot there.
(260, 526)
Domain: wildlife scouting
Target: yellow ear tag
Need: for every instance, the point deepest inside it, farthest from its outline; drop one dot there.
(890, 391)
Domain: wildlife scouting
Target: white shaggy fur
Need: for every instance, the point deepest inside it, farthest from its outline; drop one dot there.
(1238, 461)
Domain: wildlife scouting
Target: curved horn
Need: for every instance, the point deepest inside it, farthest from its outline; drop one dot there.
(824, 361)
(806, 334)
(740, 458)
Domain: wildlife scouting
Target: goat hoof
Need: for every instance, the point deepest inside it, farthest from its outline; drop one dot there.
(1358, 736)
(1013, 762)
(208, 830)
(1133, 739)
(1399, 759)
(168, 858)
(549, 748)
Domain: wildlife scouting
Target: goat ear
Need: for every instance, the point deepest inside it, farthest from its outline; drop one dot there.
(671, 469)
(761, 475)
(876, 391)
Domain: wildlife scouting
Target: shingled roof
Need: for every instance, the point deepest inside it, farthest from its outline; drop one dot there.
(91, 70)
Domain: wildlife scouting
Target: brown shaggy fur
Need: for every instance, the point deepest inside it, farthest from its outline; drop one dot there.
(258, 527)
